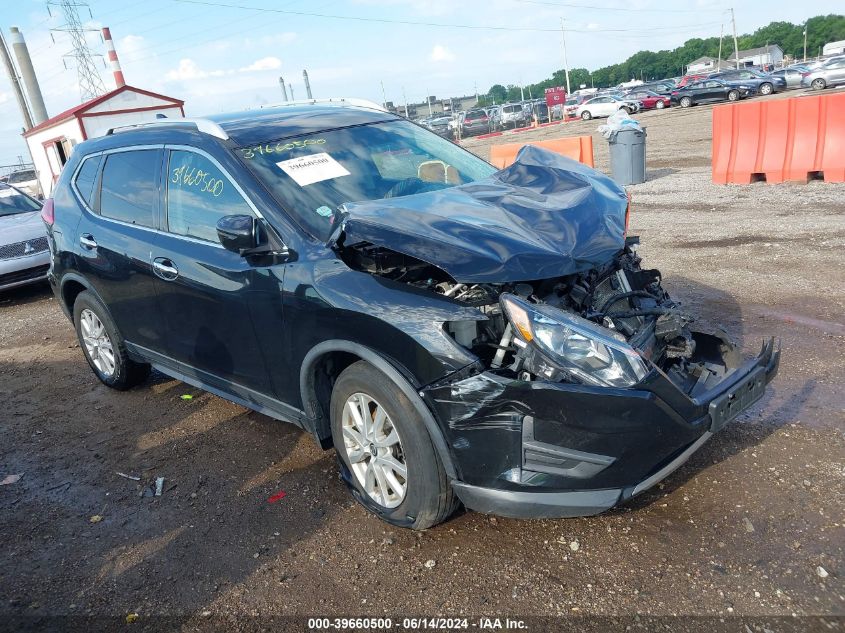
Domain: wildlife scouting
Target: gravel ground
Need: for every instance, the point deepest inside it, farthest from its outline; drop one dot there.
(749, 532)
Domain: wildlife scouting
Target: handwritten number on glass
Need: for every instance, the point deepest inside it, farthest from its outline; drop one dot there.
(279, 148)
(192, 177)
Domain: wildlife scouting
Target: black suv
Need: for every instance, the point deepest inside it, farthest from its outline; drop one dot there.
(456, 333)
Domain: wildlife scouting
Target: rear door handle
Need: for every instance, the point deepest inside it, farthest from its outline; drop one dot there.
(86, 240)
(165, 269)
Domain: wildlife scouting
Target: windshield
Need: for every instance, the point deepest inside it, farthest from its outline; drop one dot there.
(314, 175)
(13, 202)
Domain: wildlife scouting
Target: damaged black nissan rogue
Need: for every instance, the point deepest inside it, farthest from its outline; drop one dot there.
(458, 334)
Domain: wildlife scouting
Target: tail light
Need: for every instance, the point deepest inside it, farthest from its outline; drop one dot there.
(48, 214)
(804, 74)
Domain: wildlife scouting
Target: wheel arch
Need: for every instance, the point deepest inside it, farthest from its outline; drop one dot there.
(325, 362)
(71, 286)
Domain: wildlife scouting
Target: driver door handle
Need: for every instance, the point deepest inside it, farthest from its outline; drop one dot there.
(86, 240)
(165, 269)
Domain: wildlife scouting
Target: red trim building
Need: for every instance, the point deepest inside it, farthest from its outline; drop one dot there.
(52, 141)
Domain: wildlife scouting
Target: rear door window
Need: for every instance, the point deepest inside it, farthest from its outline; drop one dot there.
(129, 191)
(199, 194)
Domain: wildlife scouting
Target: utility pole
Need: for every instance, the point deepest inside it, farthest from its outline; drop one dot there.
(565, 61)
(16, 84)
(719, 59)
(805, 41)
(736, 44)
(90, 82)
(405, 99)
(383, 96)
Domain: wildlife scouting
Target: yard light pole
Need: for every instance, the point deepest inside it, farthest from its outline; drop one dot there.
(719, 58)
(736, 44)
(805, 41)
(565, 61)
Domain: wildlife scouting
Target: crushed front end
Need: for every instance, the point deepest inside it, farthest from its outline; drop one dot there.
(589, 390)
(590, 384)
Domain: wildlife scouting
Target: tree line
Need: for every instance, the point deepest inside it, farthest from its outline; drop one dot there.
(648, 65)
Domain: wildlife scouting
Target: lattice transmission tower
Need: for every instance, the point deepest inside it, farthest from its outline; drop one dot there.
(90, 83)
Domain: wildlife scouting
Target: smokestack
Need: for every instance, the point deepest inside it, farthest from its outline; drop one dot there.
(16, 84)
(307, 84)
(119, 81)
(284, 89)
(36, 101)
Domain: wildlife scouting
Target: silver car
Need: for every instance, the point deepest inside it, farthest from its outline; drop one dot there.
(791, 75)
(830, 74)
(24, 253)
(27, 181)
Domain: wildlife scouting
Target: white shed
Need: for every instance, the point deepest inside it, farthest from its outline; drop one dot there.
(52, 141)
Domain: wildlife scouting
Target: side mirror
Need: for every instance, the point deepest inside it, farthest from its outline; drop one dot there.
(237, 233)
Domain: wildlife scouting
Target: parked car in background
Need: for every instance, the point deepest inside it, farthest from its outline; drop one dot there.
(475, 122)
(709, 91)
(830, 74)
(792, 75)
(514, 115)
(439, 125)
(24, 253)
(660, 87)
(605, 105)
(455, 332)
(27, 181)
(649, 99)
(688, 79)
(495, 115)
(761, 82)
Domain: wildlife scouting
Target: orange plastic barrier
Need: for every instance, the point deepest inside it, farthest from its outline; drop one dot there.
(578, 148)
(783, 140)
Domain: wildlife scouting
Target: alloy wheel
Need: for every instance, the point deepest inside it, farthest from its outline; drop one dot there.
(766, 89)
(818, 84)
(98, 345)
(374, 450)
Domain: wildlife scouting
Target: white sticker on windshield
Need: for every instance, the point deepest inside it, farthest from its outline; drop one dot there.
(306, 170)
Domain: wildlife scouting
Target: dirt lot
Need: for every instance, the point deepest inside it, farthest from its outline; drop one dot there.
(752, 526)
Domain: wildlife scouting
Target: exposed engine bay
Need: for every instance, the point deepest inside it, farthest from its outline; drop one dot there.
(620, 304)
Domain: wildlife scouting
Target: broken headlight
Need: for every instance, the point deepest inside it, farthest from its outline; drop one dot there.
(595, 355)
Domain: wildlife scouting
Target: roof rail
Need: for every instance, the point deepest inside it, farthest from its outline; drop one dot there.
(361, 103)
(206, 126)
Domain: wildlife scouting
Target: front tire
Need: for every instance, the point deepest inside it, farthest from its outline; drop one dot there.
(386, 455)
(686, 102)
(766, 89)
(586, 116)
(103, 345)
(660, 105)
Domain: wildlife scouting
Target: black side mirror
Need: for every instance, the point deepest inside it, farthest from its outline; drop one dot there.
(238, 233)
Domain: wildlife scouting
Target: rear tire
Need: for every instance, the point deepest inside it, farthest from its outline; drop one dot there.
(818, 84)
(586, 116)
(733, 95)
(660, 105)
(103, 345)
(686, 102)
(372, 463)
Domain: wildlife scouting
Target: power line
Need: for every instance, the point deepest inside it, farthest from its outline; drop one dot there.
(90, 83)
(630, 9)
(480, 27)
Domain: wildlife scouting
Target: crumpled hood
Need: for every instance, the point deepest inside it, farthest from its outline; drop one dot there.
(21, 227)
(544, 216)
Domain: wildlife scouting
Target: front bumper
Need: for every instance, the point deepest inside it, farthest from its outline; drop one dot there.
(21, 271)
(545, 450)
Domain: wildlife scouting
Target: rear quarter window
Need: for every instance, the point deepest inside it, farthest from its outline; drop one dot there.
(129, 192)
(86, 177)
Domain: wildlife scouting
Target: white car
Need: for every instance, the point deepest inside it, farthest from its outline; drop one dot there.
(605, 106)
(25, 180)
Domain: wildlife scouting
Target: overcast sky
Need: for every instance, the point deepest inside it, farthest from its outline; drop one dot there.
(225, 55)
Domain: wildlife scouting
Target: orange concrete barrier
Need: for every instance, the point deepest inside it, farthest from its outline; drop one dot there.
(792, 139)
(578, 148)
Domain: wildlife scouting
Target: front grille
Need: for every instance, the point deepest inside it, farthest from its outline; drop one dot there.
(24, 275)
(19, 249)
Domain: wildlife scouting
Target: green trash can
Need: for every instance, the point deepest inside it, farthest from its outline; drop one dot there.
(627, 156)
